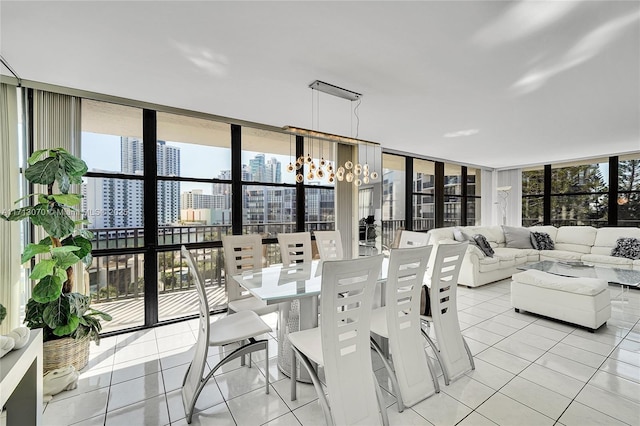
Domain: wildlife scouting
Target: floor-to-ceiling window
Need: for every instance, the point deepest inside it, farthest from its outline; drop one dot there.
(474, 183)
(596, 192)
(423, 190)
(393, 196)
(453, 187)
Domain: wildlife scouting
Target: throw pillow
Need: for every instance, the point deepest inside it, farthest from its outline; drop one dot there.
(458, 235)
(542, 241)
(516, 237)
(627, 247)
(483, 244)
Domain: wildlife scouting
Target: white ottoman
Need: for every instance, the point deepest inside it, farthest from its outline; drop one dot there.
(582, 301)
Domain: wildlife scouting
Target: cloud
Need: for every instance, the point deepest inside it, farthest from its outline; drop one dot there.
(522, 19)
(586, 48)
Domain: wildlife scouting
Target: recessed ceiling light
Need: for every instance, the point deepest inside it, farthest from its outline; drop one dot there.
(460, 133)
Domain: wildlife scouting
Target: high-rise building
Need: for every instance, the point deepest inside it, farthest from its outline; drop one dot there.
(168, 158)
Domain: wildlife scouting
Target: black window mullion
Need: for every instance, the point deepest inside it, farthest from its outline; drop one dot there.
(408, 194)
(149, 138)
(439, 194)
(236, 178)
(613, 190)
(463, 200)
(546, 196)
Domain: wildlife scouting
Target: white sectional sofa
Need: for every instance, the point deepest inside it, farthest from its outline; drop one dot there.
(584, 243)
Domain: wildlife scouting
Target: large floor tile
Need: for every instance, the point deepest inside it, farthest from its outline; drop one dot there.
(497, 328)
(474, 346)
(482, 335)
(470, 392)
(543, 400)
(622, 369)
(286, 420)
(618, 385)
(610, 404)
(490, 375)
(257, 407)
(240, 381)
(505, 411)
(519, 349)
(77, 408)
(151, 412)
(580, 414)
(504, 360)
(442, 409)
(510, 321)
(629, 357)
(218, 415)
(539, 329)
(475, 419)
(311, 414)
(209, 397)
(90, 380)
(566, 366)
(552, 380)
(534, 340)
(135, 368)
(305, 393)
(133, 352)
(576, 354)
(588, 344)
(136, 390)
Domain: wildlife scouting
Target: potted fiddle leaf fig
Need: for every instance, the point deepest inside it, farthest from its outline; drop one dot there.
(67, 320)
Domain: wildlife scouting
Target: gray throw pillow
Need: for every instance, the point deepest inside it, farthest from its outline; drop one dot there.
(541, 241)
(516, 237)
(627, 247)
(483, 244)
(458, 235)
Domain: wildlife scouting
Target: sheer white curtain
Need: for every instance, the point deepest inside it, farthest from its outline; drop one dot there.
(57, 124)
(10, 284)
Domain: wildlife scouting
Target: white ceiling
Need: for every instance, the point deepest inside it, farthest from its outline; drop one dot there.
(529, 82)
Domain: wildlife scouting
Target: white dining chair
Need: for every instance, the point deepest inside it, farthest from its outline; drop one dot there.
(452, 351)
(329, 245)
(295, 247)
(413, 239)
(341, 344)
(413, 378)
(242, 328)
(243, 253)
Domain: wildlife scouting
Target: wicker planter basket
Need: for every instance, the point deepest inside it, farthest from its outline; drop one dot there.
(64, 352)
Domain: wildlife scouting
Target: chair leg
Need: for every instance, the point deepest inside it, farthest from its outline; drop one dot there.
(316, 383)
(294, 375)
(392, 374)
(383, 408)
(438, 356)
(473, 364)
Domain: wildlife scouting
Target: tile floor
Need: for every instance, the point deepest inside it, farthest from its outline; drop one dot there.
(529, 371)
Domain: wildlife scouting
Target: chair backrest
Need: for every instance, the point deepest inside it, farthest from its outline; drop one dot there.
(193, 377)
(347, 293)
(295, 247)
(405, 277)
(413, 239)
(329, 245)
(241, 253)
(444, 311)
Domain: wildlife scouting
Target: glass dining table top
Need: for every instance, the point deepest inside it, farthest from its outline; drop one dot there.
(626, 277)
(275, 284)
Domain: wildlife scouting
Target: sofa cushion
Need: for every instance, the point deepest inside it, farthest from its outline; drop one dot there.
(610, 261)
(588, 286)
(458, 235)
(438, 234)
(636, 264)
(575, 238)
(560, 255)
(541, 241)
(606, 238)
(493, 234)
(627, 247)
(517, 237)
(488, 264)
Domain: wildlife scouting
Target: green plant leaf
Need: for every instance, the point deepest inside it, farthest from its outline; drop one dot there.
(43, 172)
(46, 241)
(65, 259)
(87, 260)
(56, 313)
(68, 328)
(67, 199)
(94, 312)
(18, 214)
(78, 303)
(33, 314)
(32, 249)
(78, 241)
(60, 273)
(64, 249)
(49, 288)
(73, 166)
(43, 269)
(64, 183)
(57, 223)
(38, 213)
(36, 156)
(85, 233)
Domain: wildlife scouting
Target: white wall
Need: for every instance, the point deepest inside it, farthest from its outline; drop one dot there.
(492, 211)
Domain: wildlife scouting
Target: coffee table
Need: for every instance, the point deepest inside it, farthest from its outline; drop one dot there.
(623, 277)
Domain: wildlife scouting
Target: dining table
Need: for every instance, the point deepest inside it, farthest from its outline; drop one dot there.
(296, 290)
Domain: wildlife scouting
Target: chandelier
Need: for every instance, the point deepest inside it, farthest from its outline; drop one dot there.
(357, 174)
